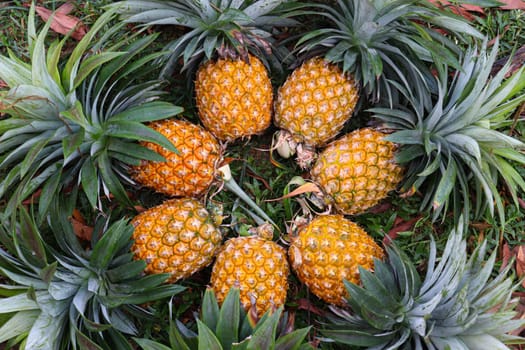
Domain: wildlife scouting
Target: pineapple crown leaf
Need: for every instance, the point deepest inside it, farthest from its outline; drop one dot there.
(228, 28)
(382, 42)
(460, 136)
(229, 327)
(61, 127)
(87, 290)
(455, 302)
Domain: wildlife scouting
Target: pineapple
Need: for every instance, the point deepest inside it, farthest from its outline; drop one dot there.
(255, 265)
(186, 173)
(70, 297)
(452, 150)
(366, 48)
(178, 237)
(457, 305)
(191, 170)
(234, 97)
(314, 103)
(77, 122)
(357, 170)
(226, 41)
(229, 327)
(329, 250)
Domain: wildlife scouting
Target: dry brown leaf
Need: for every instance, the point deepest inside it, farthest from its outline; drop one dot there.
(305, 304)
(260, 178)
(308, 187)
(464, 10)
(81, 229)
(467, 10)
(506, 256)
(520, 261)
(512, 5)
(400, 225)
(63, 23)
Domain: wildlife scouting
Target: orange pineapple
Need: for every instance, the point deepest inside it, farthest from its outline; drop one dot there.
(187, 173)
(329, 250)
(178, 237)
(315, 101)
(234, 97)
(357, 170)
(257, 266)
(228, 44)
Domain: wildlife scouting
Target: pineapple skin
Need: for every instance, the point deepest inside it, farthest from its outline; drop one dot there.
(315, 101)
(358, 170)
(234, 98)
(258, 267)
(329, 250)
(178, 237)
(187, 174)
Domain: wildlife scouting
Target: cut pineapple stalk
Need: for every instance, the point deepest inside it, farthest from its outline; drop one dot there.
(233, 186)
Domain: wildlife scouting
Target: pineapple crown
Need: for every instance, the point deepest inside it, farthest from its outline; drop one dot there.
(456, 306)
(229, 28)
(460, 142)
(385, 44)
(77, 122)
(230, 327)
(73, 298)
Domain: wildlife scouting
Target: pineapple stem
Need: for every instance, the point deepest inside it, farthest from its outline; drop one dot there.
(233, 186)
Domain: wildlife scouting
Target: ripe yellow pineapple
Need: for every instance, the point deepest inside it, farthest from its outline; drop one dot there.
(255, 265)
(233, 91)
(329, 250)
(315, 101)
(234, 97)
(178, 237)
(365, 49)
(187, 173)
(357, 170)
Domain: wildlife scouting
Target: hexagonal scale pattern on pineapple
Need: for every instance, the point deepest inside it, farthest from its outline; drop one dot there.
(258, 267)
(188, 173)
(177, 237)
(358, 170)
(234, 98)
(329, 250)
(315, 101)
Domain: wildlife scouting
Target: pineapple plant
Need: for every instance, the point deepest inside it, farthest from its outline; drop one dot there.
(457, 149)
(329, 250)
(225, 45)
(228, 327)
(453, 150)
(366, 48)
(64, 296)
(257, 266)
(178, 237)
(191, 170)
(458, 304)
(357, 171)
(77, 122)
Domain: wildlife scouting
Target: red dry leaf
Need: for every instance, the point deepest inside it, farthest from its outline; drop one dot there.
(63, 23)
(81, 229)
(305, 304)
(464, 10)
(513, 5)
(400, 225)
(506, 257)
(520, 261)
(3, 84)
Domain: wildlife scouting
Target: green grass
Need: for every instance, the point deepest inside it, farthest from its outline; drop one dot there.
(507, 26)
